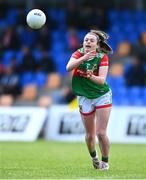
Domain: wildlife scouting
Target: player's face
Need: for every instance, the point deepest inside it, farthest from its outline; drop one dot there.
(90, 43)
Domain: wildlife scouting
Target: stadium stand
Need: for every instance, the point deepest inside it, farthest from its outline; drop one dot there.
(30, 50)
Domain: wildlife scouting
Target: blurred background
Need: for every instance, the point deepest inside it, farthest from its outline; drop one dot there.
(34, 60)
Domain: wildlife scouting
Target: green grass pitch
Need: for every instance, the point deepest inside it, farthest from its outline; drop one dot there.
(58, 160)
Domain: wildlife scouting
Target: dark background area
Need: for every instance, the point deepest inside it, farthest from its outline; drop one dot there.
(32, 62)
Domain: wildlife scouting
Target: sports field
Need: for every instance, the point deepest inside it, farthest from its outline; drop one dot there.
(55, 160)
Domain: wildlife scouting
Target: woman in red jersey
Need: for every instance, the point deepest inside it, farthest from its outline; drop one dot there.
(90, 65)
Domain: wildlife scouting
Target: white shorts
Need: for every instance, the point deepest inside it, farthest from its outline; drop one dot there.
(88, 106)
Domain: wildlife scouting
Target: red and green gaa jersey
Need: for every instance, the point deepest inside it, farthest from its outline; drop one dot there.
(82, 86)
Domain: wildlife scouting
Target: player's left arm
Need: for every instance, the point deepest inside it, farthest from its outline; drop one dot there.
(102, 74)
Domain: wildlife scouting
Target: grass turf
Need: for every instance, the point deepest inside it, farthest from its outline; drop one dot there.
(56, 160)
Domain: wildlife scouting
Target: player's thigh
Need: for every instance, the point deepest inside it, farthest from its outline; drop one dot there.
(102, 118)
(87, 111)
(89, 123)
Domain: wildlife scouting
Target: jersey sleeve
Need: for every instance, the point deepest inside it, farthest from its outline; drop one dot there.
(76, 55)
(104, 61)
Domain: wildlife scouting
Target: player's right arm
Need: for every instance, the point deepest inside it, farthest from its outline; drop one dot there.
(76, 59)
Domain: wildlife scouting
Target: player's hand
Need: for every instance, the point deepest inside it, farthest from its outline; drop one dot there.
(89, 74)
(89, 55)
(86, 74)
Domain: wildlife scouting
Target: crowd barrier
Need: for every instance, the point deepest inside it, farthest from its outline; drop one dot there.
(126, 124)
(21, 123)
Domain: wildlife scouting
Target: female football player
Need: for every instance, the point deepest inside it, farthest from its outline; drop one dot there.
(90, 65)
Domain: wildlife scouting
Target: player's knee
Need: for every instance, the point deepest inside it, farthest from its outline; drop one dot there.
(90, 137)
(101, 134)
